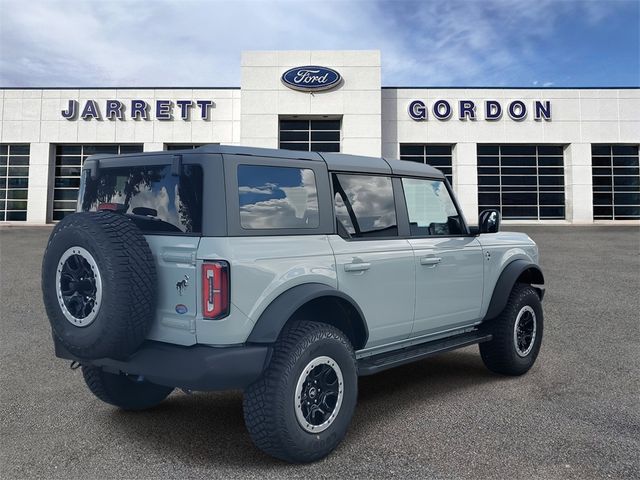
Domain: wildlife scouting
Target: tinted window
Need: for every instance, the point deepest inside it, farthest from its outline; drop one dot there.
(364, 205)
(431, 209)
(277, 197)
(157, 201)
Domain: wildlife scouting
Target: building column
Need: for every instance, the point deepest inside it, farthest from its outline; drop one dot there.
(465, 179)
(578, 183)
(41, 173)
(153, 147)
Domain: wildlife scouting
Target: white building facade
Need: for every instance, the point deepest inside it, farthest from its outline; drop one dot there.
(550, 156)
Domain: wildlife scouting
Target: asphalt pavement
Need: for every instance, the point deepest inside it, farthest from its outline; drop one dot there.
(576, 414)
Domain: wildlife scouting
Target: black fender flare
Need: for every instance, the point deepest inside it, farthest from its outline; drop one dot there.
(273, 319)
(506, 282)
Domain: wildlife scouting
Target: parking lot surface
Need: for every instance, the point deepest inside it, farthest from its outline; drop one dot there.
(576, 414)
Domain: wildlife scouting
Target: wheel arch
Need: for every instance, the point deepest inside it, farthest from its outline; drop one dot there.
(518, 271)
(315, 302)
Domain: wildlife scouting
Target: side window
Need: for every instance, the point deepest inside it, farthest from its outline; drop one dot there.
(277, 197)
(364, 205)
(431, 209)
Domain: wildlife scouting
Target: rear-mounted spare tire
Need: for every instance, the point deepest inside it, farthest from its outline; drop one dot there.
(99, 285)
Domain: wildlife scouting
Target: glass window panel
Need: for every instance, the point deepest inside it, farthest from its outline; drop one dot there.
(488, 180)
(68, 149)
(601, 171)
(625, 161)
(17, 182)
(24, 161)
(488, 149)
(438, 150)
(325, 124)
(489, 198)
(72, 160)
(550, 150)
(549, 180)
(488, 170)
(550, 171)
(431, 209)
(625, 149)
(295, 146)
(68, 171)
(24, 149)
(138, 148)
(439, 161)
(603, 212)
(602, 181)
(547, 198)
(626, 181)
(60, 214)
(16, 216)
(488, 161)
(602, 198)
(518, 180)
(286, 136)
(18, 171)
(324, 136)
(601, 162)
(62, 182)
(513, 198)
(626, 198)
(552, 212)
(518, 161)
(294, 125)
(325, 147)
(520, 212)
(406, 149)
(59, 194)
(4, 149)
(365, 206)
(550, 161)
(3, 160)
(518, 171)
(628, 211)
(3, 194)
(16, 205)
(64, 205)
(626, 171)
(93, 149)
(277, 197)
(601, 150)
(517, 150)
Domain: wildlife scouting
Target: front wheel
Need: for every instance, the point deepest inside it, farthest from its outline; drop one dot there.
(123, 391)
(517, 334)
(300, 408)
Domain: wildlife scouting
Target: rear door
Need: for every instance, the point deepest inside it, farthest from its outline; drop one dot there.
(374, 266)
(448, 261)
(162, 195)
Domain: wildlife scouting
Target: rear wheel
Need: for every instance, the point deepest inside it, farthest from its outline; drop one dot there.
(517, 334)
(123, 391)
(300, 408)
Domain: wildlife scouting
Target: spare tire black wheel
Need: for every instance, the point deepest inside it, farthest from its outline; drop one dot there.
(99, 285)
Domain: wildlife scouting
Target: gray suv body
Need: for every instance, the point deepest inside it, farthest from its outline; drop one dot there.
(285, 274)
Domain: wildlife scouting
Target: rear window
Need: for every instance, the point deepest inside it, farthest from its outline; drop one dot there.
(156, 200)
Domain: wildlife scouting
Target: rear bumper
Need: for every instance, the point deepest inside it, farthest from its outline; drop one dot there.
(198, 367)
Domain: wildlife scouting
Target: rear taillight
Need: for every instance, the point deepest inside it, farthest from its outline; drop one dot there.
(215, 289)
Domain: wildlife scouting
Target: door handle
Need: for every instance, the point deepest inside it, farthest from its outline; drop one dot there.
(430, 261)
(357, 267)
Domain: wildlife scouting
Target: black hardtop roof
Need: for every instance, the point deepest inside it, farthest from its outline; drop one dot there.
(334, 161)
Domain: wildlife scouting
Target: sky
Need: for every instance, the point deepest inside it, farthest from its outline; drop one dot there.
(196, 43)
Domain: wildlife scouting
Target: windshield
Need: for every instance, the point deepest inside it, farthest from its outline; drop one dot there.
(156, 200)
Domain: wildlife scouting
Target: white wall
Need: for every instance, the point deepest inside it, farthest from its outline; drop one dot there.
(357, 100)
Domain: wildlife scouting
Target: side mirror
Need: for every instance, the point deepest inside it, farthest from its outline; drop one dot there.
(489, 221)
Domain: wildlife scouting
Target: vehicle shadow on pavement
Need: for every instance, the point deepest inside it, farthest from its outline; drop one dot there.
(207, 429)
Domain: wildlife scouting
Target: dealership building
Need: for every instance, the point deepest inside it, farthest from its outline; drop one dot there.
(540, 155)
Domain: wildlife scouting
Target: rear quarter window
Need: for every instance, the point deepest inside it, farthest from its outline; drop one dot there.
(274, 197)
(156, 200)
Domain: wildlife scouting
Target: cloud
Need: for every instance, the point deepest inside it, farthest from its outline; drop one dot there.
(198, 43)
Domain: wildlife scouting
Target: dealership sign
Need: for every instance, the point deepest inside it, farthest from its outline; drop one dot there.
(311, 78)
(137, 109)
(469, 110)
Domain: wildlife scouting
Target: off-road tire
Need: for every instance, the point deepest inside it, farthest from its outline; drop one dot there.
(128, 277)
(499, 354)
(269, 409)
(123, 391)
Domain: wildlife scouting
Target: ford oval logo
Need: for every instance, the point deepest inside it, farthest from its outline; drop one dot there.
(311, 78)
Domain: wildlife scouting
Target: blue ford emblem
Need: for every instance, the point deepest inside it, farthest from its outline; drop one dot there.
(181, 309)
(311, 78)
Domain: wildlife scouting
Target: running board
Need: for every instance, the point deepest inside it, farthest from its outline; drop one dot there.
(395, 358)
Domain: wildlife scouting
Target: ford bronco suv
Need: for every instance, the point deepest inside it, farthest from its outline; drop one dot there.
(285, 274)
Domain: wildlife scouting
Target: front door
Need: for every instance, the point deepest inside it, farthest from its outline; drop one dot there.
(374, 266)
(448, 262)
